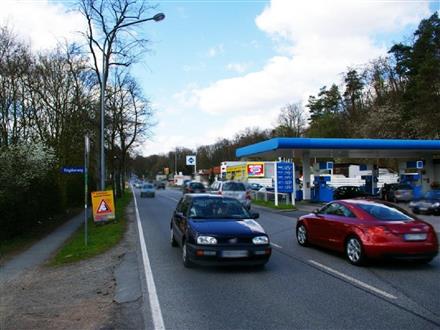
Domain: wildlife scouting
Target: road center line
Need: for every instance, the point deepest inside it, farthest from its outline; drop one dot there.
(353, 280)
(276, 245)
(156, 312)
(171, 198)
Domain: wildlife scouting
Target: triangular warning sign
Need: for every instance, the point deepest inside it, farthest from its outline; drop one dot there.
(103, 207)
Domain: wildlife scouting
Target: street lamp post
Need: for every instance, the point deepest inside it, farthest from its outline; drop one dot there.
(158, 17)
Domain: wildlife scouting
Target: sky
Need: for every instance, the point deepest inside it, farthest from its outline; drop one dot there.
(218, 67)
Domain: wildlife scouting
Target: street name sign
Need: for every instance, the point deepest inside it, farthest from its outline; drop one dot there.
(72, 170)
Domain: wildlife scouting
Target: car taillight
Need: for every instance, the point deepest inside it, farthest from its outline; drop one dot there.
(219, 192)
(378, 230)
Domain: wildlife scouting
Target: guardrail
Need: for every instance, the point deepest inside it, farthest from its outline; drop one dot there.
(270, 196)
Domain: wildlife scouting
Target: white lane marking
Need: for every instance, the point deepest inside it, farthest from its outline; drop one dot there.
(353, 280)
(156, 312)
(173, 199)
(276, 245)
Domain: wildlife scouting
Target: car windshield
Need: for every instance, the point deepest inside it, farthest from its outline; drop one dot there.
(384, 212)
(234, 186)
(217, 208)
(147, 186)
(433, 194)
(197, 185)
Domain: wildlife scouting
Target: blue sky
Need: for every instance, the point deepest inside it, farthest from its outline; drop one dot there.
(217, 67)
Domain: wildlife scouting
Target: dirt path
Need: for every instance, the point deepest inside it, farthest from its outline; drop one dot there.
(76, 296)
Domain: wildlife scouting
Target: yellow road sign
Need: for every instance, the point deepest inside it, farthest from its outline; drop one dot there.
(103, 205)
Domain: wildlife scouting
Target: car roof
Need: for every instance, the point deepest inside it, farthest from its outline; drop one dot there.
(364, 202)
(211, 196)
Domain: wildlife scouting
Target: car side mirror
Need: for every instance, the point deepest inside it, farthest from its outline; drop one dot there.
(255, 215)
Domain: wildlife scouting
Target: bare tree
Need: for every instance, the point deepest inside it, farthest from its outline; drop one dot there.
(111, 33)
(130, 120)
(291, 121)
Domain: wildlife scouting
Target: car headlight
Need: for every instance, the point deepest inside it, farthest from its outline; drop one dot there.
(436, 204)
(206, 240)
(412, 204)
(260, 240)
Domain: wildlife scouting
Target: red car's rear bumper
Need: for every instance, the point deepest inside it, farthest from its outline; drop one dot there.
(402, 250)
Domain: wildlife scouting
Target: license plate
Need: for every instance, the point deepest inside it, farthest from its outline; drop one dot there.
(415, 237)
(423, 209)
(234, 254)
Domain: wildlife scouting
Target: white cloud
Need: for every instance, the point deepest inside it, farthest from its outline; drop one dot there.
(238, 67)
(42, 23)
(323, 38)
(215, 51)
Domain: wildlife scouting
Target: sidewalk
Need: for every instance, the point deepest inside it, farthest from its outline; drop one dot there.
(40, 251)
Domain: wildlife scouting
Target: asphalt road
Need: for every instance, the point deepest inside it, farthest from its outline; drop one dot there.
(305, 288)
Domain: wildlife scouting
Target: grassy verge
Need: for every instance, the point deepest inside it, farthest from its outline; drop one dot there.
(101, 237)
(11, 247)
(271, 204)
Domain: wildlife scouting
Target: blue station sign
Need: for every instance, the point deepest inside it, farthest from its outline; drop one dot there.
(285, 177)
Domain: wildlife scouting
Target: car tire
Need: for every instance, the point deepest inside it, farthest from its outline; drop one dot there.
(354, 251)
(172, 238)
(185, 258)
(302, 235)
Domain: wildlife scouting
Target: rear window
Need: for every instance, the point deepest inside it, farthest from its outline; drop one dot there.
(384, 212)
(197, 185)
(234, 186)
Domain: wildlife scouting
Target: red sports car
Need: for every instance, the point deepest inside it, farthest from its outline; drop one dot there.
(368, 229)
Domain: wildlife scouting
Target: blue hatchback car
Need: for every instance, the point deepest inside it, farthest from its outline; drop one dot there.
(148, 190)
(214, 229)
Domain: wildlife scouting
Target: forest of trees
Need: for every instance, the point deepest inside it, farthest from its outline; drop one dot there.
(397, 96)
(49, 101)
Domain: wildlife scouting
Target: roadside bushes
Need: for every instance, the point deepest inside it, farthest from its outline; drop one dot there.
(29, 189)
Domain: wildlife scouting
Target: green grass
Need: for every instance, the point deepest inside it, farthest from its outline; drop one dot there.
(281, 206)
(101, 237)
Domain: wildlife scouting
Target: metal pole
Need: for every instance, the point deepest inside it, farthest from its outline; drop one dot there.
(275, 182)
(102, 167)
(294, 183)
(86, 161)
(175, 162)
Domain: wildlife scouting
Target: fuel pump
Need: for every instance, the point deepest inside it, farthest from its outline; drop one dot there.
(321, 191)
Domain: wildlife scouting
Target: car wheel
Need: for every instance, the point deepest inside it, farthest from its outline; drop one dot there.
(301, 235)
(185, 257)
(354, 251)
(172, 238)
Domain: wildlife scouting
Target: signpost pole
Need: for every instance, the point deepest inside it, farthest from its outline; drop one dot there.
(293, 183)
(276, 182)
(86, 160)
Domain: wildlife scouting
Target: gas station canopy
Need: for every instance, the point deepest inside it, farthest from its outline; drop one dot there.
(342, 148)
